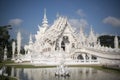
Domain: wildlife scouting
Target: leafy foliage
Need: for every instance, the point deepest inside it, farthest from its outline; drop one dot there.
(106, 40)
(5, 40)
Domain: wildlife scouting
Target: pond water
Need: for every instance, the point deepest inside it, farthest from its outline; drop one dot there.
(76, 73)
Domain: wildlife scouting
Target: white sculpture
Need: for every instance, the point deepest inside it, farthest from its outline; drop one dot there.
(62, 70)
(116, 42)
(18, 46)
(13, 50)
(5, 53)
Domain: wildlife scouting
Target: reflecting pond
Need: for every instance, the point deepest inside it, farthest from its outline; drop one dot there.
(76, 73)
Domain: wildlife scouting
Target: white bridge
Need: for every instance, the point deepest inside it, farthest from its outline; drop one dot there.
(103, 57)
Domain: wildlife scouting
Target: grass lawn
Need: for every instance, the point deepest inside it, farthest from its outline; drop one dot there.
(18, 65)
(5, 62)
(30, 66)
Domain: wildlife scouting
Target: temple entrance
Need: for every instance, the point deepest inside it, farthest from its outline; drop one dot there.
(80, 57)
(63, 45)
(94, 57)
(64, 41)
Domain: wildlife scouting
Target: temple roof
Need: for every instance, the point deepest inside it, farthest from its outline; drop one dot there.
(57, 29)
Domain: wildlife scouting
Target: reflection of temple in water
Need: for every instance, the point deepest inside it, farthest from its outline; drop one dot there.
(77, 73)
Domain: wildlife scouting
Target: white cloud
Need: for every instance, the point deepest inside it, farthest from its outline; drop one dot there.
(78, 23)
(112, 21)
(15, 22)
(80, 13)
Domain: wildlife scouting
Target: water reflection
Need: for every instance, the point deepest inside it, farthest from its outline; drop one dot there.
(81, 73)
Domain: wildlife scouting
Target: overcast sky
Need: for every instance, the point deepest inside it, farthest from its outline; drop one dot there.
(25, 15)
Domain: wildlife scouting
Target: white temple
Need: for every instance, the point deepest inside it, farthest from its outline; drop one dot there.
(60, 37)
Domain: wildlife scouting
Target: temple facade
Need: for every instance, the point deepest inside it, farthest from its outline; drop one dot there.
(60, 36)
(61, 42)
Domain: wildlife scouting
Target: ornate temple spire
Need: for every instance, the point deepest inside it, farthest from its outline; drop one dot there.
(81, 35)
(92, 37)
(30, 40)
(91, 31)
(45, 22)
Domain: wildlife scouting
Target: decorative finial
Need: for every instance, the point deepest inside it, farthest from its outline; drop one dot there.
(91, 28)
(45, 22)
(30, 40)
(45, 14)
(91, 31)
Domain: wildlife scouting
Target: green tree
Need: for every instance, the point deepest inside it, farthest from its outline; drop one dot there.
(5, 40)
(107, 40)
